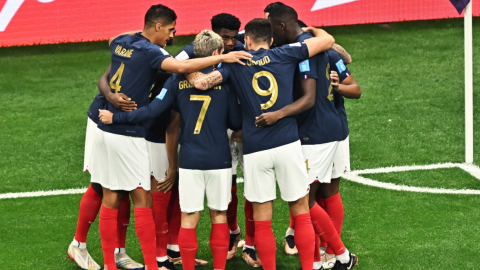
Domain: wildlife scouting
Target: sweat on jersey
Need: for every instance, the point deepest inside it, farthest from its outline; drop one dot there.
(135, 62)
(321, 123)
(265, 84)
(206, 115)
(336, 64)
(188, 52)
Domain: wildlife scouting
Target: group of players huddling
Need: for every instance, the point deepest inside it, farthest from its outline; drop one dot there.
(269, 99)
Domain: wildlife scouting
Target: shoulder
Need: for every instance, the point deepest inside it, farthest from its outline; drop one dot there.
(186, 53)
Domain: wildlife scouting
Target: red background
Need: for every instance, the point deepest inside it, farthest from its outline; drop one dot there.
(87, 20)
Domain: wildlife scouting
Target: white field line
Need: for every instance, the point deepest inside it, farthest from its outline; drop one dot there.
(42, 193)
(354, 176)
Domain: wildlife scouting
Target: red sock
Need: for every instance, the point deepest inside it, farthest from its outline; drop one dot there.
(304, 238)
(219, 240)
(334, 208)
(266, 245)
(108, 235)
(323, 226)
(292, 221)
(249, 225)
(188, 243)
(122, 221)
(89, 206)
(232, 211)
(174, 217)
(145, 228)
(321, 203)
(160, 207)
(316, 256)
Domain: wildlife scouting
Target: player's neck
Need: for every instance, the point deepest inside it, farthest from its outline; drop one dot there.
(258, 46)
(294, 33)
(149, 35)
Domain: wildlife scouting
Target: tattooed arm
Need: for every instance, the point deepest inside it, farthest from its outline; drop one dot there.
(347, 59)
(205, 81)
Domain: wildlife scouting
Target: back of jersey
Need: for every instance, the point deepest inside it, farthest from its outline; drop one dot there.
(205, 114)
(135, 62)
(265, 84)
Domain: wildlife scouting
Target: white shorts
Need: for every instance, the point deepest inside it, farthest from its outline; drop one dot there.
(237, 156)
(120, 162)
(89, 143)
(341, 159)
(283, 164)
(319, 161)
(157, 153)
(193, 184)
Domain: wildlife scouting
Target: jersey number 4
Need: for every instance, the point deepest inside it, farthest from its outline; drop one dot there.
(118, 76)
(203, 111)
(273, 90)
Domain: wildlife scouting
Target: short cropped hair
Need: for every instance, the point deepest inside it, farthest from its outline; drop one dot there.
(284, 13)
(159, 14)
(206, 42)
(225, 20)
(272, 6)
(260, 30)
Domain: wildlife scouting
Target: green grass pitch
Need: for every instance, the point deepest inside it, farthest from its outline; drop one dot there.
(411, 112)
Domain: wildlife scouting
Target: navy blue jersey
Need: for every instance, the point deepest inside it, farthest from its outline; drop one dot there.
(206, 115)
(99, 102)
(156, 128)
(265, 84)
(135, 62)
(336, 64)
(321, 123)
(188, 52)
(241, 36)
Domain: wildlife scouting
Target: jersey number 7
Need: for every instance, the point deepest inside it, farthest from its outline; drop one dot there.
(203, 111)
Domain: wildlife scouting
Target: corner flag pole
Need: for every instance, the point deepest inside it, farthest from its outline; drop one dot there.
(468, 84)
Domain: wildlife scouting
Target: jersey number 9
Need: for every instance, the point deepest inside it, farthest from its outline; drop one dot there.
(273, 90)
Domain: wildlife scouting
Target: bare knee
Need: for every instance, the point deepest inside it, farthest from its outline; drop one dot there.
(218, 216)
(299, 206)
(327, 190)
(141, 198)
(190, 220)
(111, 199)
(262, 211)
(97, 187)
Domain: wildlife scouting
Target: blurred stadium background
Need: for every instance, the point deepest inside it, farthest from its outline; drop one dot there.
(411, 72)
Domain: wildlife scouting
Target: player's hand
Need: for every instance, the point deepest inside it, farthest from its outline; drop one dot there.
(237, 136)
(105, 116)
(236, 57)
(122, 102)
(167, 184)
(334, 80)
(267, 119)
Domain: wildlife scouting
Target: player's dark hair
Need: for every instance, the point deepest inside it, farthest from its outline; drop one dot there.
(272, 6)
(301, 24)
(159, 13)
(260, 30)
(284, 13)
(225, 20)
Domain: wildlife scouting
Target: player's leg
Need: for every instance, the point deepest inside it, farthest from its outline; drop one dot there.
(289, 242)
(159, 165)
(292, 181)
(260, 189)
(218, 184)
(108, 225)
(174, 217)
(191, 189)
(235, 232)
(248, 254)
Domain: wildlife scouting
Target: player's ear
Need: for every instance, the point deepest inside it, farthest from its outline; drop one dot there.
(283, 26)
(271, 42)
(158, 26)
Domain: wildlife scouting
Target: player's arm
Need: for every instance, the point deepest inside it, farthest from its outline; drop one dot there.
(172, 135)
(203, 81)
(348, 88)
(173, 65)
(118, 100)
(302, 104)
(321, 41)
(162, 102)
(347, 59)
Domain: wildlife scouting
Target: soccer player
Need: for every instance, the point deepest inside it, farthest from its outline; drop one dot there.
(92, 199)
(227, 26)
(344, 85)
(205, 160)
(320, 128)
(122, 165)
(271, 153)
